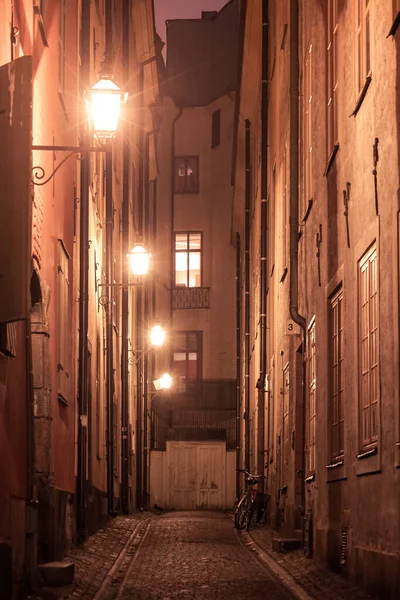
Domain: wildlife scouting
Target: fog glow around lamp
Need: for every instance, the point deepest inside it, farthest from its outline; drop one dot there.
(139, 260)
(103, 103)
(163, 383)
(157, 335)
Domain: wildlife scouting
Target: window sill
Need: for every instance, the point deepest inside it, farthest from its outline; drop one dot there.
(331, 159)
(42, 29)
(368, 462)
(361, 96)
(336, 470)
(395, 25)
(310, 478)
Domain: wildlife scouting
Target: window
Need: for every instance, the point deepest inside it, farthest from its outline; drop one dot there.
(336, 395)
(186, 358)
(8, 339)
(188, 248)
(363, 44)
(285, 427)
(62, 322)
(311, 397)
(332, 59)
(216, 129)
(61, 46)
(369, 349)
(308, 134)
(187, 175)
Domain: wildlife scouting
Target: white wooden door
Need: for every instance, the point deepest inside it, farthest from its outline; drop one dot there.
(182, 459)
(196, 474)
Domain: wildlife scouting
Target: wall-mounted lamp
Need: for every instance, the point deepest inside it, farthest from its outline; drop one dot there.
(103, 105)
(139, 260)
(164, 382)
(157, 335)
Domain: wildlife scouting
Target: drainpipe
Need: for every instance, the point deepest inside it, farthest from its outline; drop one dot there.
(83, 294)
(238, 364)
(125, 292)
(146, 366)
(294, 211)
(141, 297)
(247, 299)
(264, 240)
(172, 191)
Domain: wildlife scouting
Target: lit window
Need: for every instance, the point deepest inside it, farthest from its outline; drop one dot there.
(186, 358)
(336, 408)
(369, 348)
(187, 175)
(363, 46)
(188, 259)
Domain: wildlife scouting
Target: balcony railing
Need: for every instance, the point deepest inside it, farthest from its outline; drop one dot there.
(205, 411)
(191, 297)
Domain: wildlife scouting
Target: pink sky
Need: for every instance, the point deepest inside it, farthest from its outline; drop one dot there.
(182, 9)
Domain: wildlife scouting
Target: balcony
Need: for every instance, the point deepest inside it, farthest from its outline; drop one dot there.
(191, 297)
(204, 411)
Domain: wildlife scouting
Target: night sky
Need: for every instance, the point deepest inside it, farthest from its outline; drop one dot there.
(182, 9)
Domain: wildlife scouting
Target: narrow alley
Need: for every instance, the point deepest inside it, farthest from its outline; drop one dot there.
(192, 555)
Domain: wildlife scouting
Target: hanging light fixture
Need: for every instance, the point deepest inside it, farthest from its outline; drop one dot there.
(139, 260)
(103, 104)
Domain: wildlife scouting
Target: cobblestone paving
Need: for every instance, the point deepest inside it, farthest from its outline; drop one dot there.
(195, 555)
(93, 560)
(318, 581)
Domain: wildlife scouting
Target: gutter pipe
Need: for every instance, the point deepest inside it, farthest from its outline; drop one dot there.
(247, 296)
(294, 211)
(264, 239)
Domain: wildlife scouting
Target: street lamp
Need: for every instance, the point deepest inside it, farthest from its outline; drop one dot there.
(164, 382)
(157, 335)
(139, 260)
(103, 104)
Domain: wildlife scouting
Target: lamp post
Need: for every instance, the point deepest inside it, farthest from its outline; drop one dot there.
(103, 103)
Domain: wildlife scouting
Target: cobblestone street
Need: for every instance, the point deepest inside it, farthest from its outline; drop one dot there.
(193, 555)
(199, 555)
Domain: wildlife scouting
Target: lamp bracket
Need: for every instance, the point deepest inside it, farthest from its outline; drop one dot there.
(39, 172)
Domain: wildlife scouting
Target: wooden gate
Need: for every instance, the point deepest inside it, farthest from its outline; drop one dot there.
(196, 474)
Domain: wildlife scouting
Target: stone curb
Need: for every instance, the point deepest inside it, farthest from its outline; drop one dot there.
(108, 579)
(286, 579)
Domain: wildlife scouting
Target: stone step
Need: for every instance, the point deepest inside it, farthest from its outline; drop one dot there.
(57, 573)
(285, 544)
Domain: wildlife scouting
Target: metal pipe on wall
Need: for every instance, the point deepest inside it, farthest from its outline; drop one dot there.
(247, 293)
(125, 275)
(294, 210)
(83, 291)
(238, 363)
(264, 240)
(109, 334)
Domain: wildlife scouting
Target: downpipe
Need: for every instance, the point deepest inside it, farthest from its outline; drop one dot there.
(293, 220)
(247, 294)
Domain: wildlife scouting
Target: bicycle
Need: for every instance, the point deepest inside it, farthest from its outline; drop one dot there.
(247, 504)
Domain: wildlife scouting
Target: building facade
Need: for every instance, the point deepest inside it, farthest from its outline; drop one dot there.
(68, 399)
(193, 428)
(322, 405)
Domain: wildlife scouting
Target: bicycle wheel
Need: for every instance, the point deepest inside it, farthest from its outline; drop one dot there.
(243, 514)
